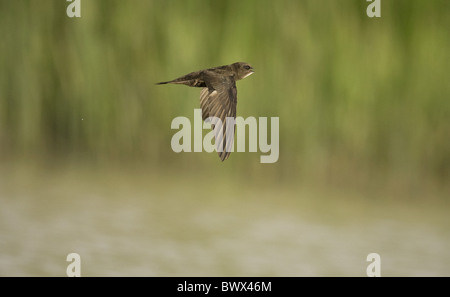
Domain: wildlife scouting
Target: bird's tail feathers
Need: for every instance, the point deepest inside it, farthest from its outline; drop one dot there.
(175, 81)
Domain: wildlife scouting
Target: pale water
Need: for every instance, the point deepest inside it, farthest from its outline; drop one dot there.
(161, 225)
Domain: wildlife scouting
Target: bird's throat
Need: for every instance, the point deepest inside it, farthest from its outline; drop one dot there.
(248, 74)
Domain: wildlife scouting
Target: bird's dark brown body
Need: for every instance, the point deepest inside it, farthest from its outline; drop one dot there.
(218, 98)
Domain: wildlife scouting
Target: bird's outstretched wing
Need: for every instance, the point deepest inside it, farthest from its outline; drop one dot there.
(218, 102)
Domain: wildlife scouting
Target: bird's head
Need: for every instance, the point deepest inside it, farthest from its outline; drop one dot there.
(242, 70)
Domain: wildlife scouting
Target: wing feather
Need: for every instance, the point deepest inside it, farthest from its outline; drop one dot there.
(219, 100)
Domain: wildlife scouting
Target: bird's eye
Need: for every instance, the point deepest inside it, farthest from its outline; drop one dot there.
(247, 67)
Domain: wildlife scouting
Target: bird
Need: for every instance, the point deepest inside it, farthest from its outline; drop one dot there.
(218, 98)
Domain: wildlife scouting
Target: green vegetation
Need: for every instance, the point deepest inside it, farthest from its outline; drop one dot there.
(360, 101)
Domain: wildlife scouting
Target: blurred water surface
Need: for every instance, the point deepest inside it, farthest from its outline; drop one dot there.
(143, 224)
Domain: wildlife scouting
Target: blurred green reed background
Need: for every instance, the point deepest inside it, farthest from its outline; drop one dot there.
(360, 100)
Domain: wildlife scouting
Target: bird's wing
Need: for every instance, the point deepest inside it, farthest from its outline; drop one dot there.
(218, 101)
